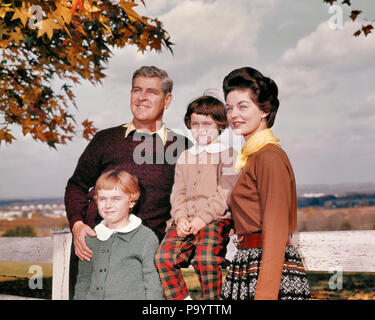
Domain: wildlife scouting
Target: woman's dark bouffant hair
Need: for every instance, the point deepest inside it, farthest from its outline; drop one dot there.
(263, 90)
(208, 106)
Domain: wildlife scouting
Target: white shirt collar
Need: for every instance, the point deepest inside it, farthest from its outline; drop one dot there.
(214, 147)
(103, 233)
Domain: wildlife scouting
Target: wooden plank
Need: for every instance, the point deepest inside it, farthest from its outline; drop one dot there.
(23, 249)
(61, 257)
(350, 251)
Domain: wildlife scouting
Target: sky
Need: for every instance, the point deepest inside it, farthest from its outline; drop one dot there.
(325, 77)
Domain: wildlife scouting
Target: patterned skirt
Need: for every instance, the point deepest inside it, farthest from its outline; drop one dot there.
(241, 279)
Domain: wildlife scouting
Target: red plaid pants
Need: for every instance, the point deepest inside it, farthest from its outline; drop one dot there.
(205, 251)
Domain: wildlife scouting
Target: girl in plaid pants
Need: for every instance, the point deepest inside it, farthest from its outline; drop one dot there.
(201, 220)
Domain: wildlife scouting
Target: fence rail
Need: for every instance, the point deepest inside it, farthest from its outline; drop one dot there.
(348, 251)
(352, 251)
(55, 250)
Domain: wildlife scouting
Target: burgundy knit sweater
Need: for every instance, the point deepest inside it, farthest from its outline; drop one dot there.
(140, 154)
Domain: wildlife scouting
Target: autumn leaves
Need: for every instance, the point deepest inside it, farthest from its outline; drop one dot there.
(365, 29)
(48, 42)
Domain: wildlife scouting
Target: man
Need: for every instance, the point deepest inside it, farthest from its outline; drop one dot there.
(144, 147)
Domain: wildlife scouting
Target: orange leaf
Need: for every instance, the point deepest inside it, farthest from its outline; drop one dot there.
(357, 33)
(21, 13)
(28, 124)
(76, 3)
(47, 26)
(367, 29)
(5, 135)
(39, 134)
(63, 12)
(17, 36)
(15, 110)
(63, 139)
(128, 8)
(89, 129)
(354, 14)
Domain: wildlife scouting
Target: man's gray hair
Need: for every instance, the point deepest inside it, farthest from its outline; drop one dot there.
(151, 71)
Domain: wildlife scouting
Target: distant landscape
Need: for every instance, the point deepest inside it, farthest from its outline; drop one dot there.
(320, 208)
(21, 202)
(336, 195)
(336, 188)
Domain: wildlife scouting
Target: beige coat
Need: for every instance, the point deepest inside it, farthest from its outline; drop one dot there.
(203, 183)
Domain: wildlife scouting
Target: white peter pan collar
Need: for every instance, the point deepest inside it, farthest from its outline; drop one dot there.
(214, 147)
(103, 233)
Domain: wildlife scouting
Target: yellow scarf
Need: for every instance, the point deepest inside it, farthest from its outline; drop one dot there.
(255, 143)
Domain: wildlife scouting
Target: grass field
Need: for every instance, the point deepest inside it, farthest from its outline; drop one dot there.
(14, 280)
(356, 286)
(15, 276)
(42, 225)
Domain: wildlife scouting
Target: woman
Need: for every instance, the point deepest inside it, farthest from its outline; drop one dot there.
(263, 201)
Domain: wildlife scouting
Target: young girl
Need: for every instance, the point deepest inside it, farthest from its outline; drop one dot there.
(204, 177)
(122, 265)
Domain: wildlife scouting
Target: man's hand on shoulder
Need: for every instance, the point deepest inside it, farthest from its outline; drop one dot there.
(80, 230)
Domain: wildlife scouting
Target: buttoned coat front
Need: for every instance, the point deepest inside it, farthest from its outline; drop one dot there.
(121, 268)
(202, 185)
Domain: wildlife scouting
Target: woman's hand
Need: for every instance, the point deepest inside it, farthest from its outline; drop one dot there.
(196, 224)
(80, 230)
(183, 227)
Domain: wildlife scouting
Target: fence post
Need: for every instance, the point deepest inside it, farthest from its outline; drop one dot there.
(62, 241)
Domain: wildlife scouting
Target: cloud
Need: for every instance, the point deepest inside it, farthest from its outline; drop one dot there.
(211, 38)
(31, 169)
(371, 99)
(324, 48)
(300, 81)
(287, 24)
(319, 61)
(206, 34)
(154, 9)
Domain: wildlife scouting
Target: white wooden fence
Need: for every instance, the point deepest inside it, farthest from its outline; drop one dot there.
(348, 251)
(55, 250)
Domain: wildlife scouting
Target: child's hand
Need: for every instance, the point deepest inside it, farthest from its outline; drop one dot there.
(183, 227)
(197, 224)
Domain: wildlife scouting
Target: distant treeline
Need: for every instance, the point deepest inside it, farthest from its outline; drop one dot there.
(350, 200)
(21, 202)
(345, 200)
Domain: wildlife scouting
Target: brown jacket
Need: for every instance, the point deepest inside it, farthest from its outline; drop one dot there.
(264, 198)
(202, 185)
